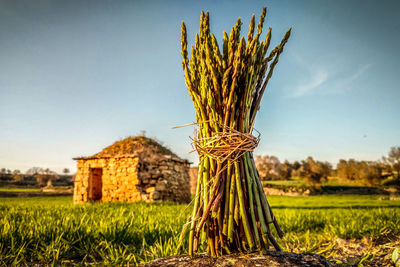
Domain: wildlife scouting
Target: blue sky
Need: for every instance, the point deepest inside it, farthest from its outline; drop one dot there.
(75, 76)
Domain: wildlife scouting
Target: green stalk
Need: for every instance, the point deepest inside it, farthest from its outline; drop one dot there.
(264, 202)
(232, 205)
(195, 208)
(236, 215)
(242, 208)
(227, 199)
(206, 171)
(260, 214)
(251, 200)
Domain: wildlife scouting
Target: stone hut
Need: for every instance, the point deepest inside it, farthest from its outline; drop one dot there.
(133, 169)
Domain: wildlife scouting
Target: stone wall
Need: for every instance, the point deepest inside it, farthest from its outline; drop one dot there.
(134, 179)
(119, 177)
(164, 179)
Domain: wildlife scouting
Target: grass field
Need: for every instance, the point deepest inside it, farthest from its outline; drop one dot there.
(16, 189)
(51, 230)
(27, 189)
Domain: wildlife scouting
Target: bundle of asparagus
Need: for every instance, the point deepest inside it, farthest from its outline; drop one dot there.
(231, 212)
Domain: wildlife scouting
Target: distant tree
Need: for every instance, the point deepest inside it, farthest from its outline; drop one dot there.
(347, 170)
(274, 164)
(295, 169)
(268, 167)
(394, 159)
(369, 172)
(352, 169)
(3, 173)
(342, 169)
(328, 167)
(313, 171)
(17, 176)
(34, 170)
(43, 176)
(388, 166)
(66, 171)
(285, 170)
(263, 166)
(296, 165)
(385, 168)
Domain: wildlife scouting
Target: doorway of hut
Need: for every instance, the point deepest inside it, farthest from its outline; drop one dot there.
(96, 184)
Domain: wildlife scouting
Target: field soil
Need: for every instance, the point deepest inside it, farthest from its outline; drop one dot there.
(367, 251)
(272, 258)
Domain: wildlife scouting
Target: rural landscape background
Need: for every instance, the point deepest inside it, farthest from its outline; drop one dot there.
(78, 76)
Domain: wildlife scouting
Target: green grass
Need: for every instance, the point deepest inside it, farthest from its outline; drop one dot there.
(51, 230)
(337, 182)
(16, 189)
(291, 182)
(27, 189)
(298, 182)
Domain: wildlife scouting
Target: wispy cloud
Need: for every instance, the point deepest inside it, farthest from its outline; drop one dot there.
(334, 77)
(316, 80)
(357, 74)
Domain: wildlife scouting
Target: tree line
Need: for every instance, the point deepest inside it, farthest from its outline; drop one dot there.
(35, 176)
(315, 172)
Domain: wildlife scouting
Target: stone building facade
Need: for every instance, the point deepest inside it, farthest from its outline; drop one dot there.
(133, 169)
